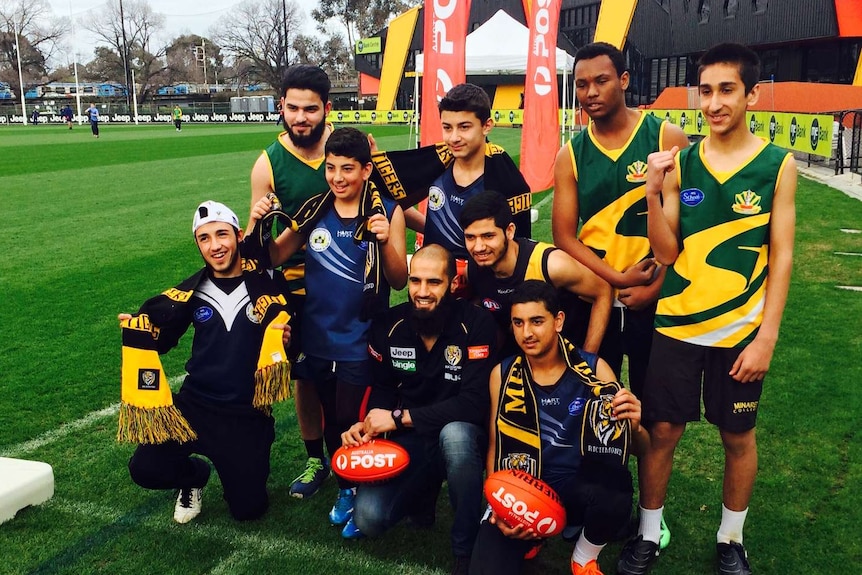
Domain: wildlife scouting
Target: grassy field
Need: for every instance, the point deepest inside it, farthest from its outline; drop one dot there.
(93, 227)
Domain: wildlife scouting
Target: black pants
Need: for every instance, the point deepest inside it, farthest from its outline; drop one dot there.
(629, 333)
(236, 439)
(178, 124)
(599, 498)
(94, 126)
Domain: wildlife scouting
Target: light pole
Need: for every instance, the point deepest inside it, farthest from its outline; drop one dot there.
(20, 75)
(125, 57)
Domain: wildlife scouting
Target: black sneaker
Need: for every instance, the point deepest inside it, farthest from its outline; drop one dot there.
(731, 559)
(637, 556)
(461, 566)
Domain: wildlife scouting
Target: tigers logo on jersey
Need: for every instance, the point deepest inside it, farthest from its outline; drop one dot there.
(636, 172)
(319, 239)
(747, 203)
(452, 354)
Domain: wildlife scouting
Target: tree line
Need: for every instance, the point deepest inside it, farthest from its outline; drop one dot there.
(251, 44)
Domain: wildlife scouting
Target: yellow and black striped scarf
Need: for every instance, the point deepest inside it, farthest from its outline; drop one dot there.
(147, 413)
(309, 214)
(518, 441)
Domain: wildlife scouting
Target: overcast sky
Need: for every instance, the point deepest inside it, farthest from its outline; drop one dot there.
(181, 17)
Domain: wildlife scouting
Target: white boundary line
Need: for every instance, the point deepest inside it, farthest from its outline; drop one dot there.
(49, 437)
(850, 288)
(851, 231)
(847, 254)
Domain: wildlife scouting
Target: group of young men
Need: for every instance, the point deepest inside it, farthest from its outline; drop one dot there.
(675, 256)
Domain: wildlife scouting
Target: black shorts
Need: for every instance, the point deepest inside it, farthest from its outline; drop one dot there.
(673, 386)
(319, 370)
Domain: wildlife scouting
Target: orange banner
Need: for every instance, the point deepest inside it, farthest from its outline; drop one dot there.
(444, 65)
(540, 137)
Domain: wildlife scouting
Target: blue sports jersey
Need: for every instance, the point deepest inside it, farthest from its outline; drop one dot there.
(446, 199)
(334, 279)
(561, 413)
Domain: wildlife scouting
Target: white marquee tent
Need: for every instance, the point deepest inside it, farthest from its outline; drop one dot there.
(499, 47)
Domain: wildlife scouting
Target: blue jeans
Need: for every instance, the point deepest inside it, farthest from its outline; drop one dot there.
(457, 456)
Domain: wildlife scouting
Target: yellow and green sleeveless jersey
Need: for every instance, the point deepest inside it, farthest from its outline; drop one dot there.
(713, 294)
(294, 180)
(611, 194)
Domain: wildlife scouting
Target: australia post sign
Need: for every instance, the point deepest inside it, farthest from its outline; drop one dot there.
(444, 65)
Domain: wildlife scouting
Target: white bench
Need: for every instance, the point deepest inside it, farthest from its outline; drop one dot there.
(23, 483)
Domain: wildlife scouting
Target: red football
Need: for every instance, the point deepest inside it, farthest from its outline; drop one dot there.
(377, 460)
(518, 498)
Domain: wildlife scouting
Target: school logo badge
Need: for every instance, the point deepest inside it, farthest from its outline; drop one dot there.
(636, 172)
(436, 198)
(452, 353)
(251, 314)
(319, 239)
(747, 203)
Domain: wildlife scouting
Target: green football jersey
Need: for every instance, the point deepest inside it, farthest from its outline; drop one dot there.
(713, 294)
(611, 192)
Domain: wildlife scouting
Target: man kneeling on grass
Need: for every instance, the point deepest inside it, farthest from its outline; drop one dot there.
(223, 409)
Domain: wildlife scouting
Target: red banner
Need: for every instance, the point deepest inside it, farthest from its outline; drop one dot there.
(444, 64)
(540, 138)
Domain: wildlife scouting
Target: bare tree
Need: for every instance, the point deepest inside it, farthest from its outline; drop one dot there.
(129, 27)
(359, 18)
(39, 31)
(259, 37)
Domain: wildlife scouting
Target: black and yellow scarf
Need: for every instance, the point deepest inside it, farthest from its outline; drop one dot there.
(406, 176)
(518, 441)
(303, 221)
(147, 413)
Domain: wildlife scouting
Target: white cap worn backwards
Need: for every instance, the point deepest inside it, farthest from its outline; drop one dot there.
(211, 211)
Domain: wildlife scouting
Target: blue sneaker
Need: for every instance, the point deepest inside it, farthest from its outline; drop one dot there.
(351, 531)
(342, 511)
(310, 480)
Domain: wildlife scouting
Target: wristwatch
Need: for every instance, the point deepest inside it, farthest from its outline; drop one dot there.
(397, 414)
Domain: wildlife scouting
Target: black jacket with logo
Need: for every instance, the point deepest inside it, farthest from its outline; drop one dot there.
(449, 382)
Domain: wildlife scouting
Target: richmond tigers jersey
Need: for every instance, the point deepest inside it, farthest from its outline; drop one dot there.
(334, 278)
(493, 292)
(713, 294)
(294, 180)
(611, 195)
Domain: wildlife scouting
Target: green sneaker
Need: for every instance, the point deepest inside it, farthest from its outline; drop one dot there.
(664, 538)
(310, 480)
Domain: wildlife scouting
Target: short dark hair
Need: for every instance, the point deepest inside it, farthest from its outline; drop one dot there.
(486, 204)
(597, 49)
(744, 57)
(537, 291)
(349, 143)
(467, 98)
(306, 77)
(438, 252)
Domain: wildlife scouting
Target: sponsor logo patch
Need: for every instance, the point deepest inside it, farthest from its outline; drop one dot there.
(490, 304)
(478, 351)
(402, 352)
(404, 365)
(691, 197)
(577, 406)
(202, 314)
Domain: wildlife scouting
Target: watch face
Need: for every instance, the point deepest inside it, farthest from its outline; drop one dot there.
(396, 413)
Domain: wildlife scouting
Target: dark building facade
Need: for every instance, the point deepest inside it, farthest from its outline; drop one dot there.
(797, 40)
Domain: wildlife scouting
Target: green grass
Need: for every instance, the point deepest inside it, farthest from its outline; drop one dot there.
(92, 227)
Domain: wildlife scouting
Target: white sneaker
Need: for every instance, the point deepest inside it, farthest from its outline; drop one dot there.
(188, 504)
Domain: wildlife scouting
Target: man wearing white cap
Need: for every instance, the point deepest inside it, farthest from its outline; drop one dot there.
(229, 307)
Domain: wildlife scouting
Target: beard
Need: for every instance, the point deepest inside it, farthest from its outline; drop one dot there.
(306, 141)
(429, 323)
